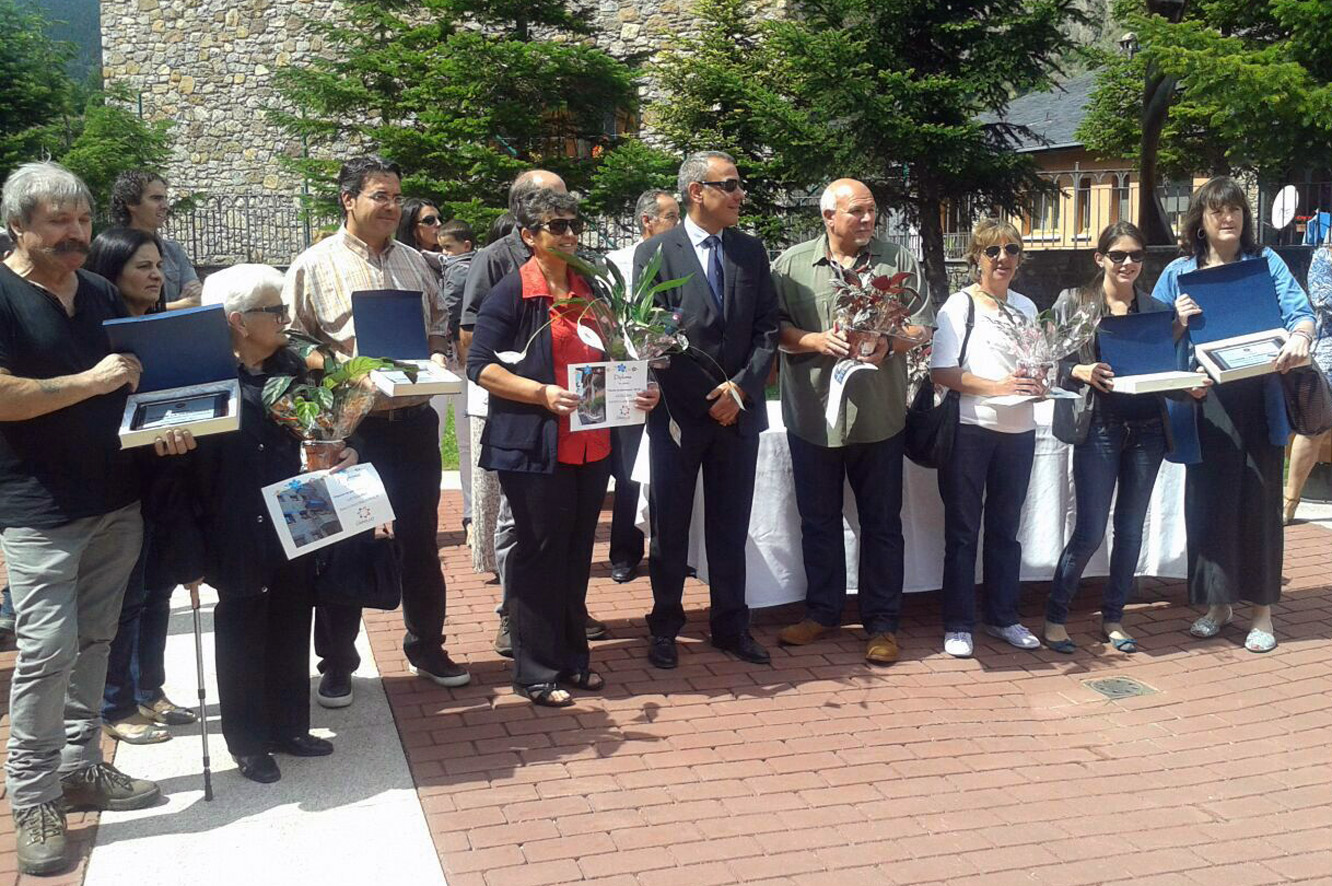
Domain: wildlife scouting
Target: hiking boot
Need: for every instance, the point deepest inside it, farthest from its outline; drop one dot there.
(39, 832)
(104, 787)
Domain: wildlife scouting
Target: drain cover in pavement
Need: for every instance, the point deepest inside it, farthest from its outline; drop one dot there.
(1119, 687)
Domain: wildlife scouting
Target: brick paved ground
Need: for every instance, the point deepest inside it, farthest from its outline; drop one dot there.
(822, 770)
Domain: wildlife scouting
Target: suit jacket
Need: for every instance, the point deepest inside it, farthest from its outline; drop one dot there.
(738, 346)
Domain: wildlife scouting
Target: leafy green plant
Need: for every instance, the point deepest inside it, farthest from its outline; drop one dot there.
(331, 408)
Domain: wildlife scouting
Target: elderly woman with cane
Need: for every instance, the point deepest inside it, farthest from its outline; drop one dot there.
(262, 620)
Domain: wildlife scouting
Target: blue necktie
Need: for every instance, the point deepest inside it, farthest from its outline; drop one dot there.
(716, 278)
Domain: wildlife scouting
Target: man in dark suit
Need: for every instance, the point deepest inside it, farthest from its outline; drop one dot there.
(715, 408)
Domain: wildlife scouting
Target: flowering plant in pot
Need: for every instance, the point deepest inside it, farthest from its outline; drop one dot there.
(1041, 343)
(867, 306)
(323, 414)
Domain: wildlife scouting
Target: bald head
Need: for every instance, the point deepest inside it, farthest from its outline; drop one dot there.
(849, 214)
(534, 180)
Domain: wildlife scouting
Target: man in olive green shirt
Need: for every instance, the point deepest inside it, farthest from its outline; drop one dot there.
(864, 445)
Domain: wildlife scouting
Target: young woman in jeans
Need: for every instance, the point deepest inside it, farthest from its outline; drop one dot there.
(1118, 439)
(994, 447)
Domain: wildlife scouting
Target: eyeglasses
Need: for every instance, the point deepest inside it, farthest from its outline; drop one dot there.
(730, 186)
(1009, 249)
(1118, 256)
(281, 312)
(381, 199)
(561, 226)
(429, 221)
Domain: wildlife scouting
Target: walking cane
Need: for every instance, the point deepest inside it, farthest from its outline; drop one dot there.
(203, 703)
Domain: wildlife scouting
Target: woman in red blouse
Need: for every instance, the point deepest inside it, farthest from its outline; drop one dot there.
(555, 479)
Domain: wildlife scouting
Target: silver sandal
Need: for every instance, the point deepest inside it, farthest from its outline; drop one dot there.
(1206, 626)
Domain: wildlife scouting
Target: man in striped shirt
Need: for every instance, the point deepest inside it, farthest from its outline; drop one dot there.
(400, 437)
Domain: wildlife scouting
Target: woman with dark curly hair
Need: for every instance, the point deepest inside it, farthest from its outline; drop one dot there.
(554, 479)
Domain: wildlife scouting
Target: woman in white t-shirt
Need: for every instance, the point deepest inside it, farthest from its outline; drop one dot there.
(994, 445)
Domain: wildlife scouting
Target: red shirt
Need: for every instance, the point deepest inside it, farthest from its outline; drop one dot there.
(581, 447)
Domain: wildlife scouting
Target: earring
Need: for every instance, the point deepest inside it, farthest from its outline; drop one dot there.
(1202, 235)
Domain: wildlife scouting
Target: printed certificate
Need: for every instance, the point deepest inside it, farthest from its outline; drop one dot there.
(606, 393)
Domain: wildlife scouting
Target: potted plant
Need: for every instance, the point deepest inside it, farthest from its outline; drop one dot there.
(324, 413)
(868, 306)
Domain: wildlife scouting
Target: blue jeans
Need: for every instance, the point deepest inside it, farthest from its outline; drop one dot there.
(987, 474)
(136, 668)
(875, 473)
(1128, 454)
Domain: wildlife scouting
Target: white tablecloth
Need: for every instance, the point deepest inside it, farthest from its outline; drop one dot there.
(775, 564)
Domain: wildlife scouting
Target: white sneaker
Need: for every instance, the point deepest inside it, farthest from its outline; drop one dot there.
(958, 644)
(1015, 635)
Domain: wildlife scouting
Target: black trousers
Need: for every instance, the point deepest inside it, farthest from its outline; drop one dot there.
(406, 454)
(555, 517)
(874, 471)
(727, 460)
(626, 540)
(263, 661)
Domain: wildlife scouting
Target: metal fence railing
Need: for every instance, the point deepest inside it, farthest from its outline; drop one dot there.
(224, 230)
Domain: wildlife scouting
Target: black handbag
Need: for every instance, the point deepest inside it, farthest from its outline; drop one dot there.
(1308, 400)
(360, 571)
(930, 426)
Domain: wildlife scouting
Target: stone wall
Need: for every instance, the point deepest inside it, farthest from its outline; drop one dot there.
(208, 65)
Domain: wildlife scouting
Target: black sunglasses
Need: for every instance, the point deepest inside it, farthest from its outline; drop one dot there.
(561, 226)
(1118, 256)
(429, 221)
(1008, 249)
(730, 186)
(279, 311)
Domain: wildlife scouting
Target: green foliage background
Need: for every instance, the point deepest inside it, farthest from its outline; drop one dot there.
(1256, 87)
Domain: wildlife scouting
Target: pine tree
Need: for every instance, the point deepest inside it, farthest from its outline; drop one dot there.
(888, 91)
(1237, 87)
(464, 94)
(37, 98)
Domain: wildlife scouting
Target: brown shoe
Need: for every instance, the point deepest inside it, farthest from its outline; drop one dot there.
(881, 649)
(136, 730)
(802, 634)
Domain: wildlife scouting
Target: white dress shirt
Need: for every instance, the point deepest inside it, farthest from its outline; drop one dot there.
(696, 236)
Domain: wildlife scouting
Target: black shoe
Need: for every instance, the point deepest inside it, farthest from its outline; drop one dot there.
(442, 671)
(596, 630)
(302, 746)
(624, 574)
(745, 648)
(335, 690)
(663, 654)
(258, 767)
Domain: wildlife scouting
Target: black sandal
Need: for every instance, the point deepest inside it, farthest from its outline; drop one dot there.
(540, 694)
(585, 679)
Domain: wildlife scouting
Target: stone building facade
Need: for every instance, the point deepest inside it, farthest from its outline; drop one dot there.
(208, 65)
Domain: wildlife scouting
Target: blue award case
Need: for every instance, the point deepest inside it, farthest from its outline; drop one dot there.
(1140, 348)
(189, 374)
(1239, 332)
(390, 324)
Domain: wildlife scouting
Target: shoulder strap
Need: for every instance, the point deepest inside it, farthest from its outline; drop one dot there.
(971, 321)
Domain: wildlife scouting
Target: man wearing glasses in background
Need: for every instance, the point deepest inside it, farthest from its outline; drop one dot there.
(715, 406)
(401, 436)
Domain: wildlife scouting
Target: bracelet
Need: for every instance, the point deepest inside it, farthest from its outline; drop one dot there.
(1308, 336)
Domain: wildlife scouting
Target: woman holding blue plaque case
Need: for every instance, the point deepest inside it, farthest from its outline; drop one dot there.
(1233, 441)
(1118, 439)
